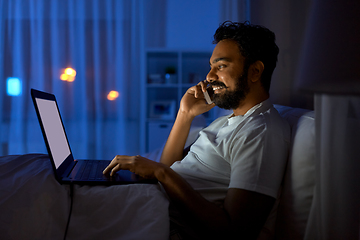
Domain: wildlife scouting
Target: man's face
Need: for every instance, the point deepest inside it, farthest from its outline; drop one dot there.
(227, 77)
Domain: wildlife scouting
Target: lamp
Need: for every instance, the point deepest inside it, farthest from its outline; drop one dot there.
(330, 61)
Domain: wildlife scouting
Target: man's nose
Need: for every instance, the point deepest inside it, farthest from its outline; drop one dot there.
(211, 76)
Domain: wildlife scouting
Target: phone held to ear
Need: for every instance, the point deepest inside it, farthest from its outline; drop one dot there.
(209, 93)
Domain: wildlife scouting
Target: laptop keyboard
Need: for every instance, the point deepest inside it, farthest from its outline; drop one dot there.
(92, 170)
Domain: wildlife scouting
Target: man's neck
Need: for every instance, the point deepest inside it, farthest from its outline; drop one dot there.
(249, 103)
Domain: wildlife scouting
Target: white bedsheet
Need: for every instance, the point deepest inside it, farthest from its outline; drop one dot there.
(33, 205)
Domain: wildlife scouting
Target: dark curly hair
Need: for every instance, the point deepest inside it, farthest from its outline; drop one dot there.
(255, 43)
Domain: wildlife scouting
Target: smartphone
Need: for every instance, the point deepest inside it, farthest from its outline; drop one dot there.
(209, 93)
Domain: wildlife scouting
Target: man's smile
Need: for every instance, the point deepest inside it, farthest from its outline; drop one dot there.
(218, 88)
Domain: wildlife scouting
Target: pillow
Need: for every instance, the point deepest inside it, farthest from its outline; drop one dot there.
(299, 179)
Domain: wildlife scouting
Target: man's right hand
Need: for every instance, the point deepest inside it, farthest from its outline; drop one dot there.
(193, 102)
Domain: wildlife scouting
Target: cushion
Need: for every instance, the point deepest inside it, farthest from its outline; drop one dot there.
(299, 179)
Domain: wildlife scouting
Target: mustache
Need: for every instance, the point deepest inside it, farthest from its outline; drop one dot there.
(217, 84)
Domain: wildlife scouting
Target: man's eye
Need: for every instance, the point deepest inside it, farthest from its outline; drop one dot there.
(221, 66)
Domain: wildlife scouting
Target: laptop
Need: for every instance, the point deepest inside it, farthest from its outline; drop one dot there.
(67, 169)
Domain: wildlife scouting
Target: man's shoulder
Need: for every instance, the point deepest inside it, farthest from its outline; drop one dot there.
(262, 122)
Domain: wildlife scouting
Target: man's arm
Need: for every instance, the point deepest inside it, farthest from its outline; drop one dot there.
(243, 213)
(192, 104)
(174, 147)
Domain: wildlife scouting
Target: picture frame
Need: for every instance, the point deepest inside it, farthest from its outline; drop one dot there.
(162, 109)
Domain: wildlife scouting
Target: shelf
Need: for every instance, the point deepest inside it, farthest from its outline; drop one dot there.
(167, 74)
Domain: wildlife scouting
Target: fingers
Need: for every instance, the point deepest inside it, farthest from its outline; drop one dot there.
(136, 164)
(199, 89)
(109, 167)
(114, 170)
(119, 162)
(203, 84)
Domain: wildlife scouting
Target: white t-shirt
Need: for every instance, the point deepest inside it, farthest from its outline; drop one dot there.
(246, 152)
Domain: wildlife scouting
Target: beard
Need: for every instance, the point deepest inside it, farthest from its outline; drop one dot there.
(232, 99)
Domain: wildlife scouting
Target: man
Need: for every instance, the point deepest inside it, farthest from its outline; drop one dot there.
(227, 184)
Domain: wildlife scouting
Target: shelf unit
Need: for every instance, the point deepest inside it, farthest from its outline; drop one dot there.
(166, 76)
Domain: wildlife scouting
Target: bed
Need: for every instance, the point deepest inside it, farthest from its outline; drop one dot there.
(33, 205)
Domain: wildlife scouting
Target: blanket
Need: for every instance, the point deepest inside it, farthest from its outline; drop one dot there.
(33, 205)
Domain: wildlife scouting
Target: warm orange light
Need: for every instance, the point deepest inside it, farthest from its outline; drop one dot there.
(68, 75)
(70, 72)
(112, 95)
(64, 77)
(71, 78)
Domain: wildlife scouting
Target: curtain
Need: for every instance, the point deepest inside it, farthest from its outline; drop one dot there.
(100, 41)
(335, 212)
(235, 10)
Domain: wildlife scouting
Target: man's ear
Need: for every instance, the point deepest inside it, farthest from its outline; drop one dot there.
(255, 71)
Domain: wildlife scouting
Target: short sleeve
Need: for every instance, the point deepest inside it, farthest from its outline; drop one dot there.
(258, 159)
